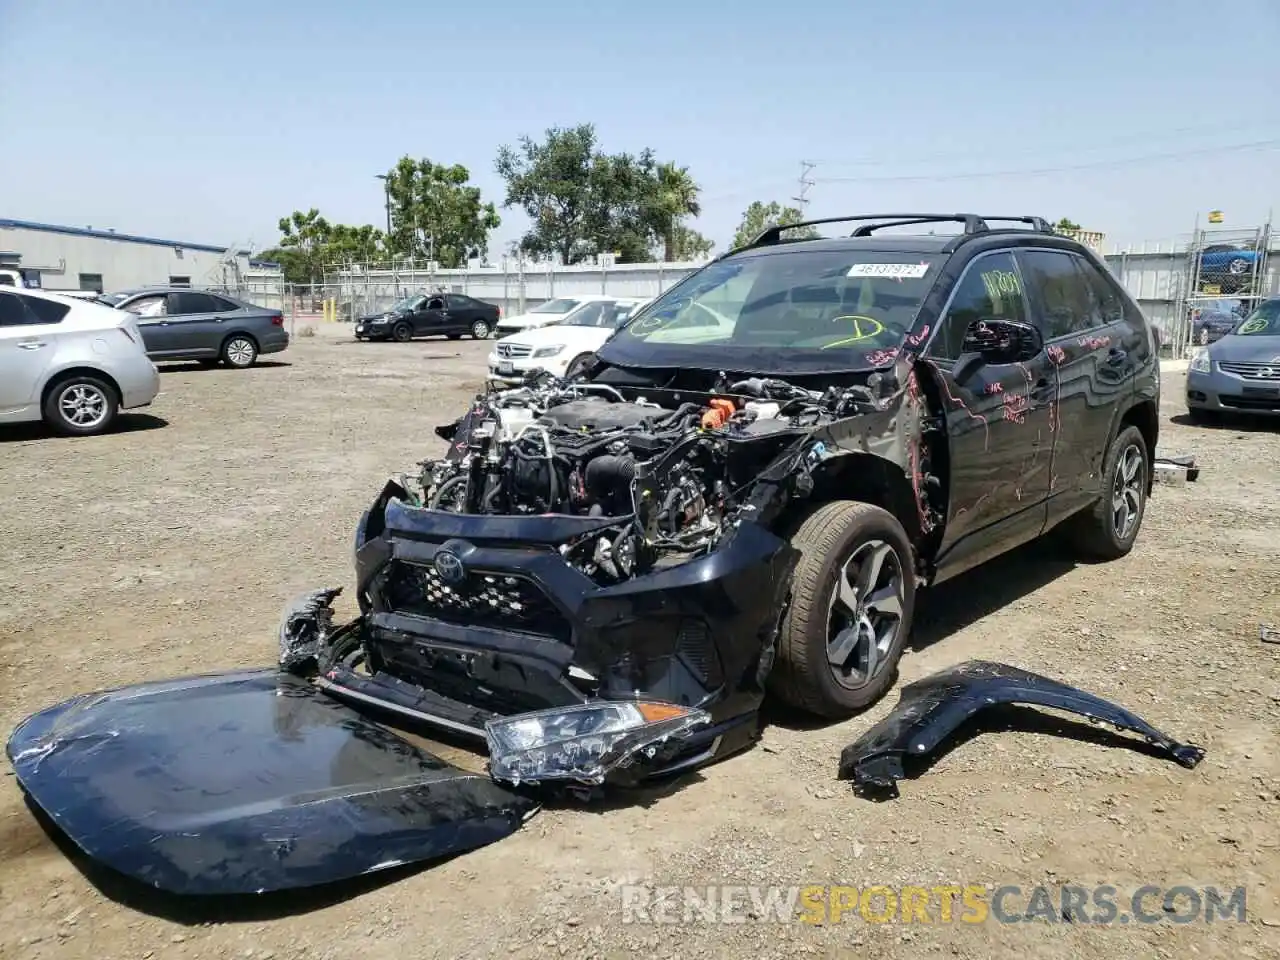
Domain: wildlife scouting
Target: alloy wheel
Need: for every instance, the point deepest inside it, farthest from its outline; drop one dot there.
(864, 618)
(240, 352)
(1127, 492)
(480, 330)
(83, 405)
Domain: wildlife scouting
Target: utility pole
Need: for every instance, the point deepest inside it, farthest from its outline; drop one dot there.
(386, 195)
(802, 198)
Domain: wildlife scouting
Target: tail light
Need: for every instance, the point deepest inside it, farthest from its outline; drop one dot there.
(499, 313)
(277, 320)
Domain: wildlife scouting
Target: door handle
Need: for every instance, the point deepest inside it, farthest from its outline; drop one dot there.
(1116, 356)
(31, 344)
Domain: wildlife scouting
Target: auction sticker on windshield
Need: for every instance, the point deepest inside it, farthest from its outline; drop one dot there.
(896, 271)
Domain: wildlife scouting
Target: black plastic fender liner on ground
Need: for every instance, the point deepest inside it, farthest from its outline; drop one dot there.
(248, 782)
(933, 708)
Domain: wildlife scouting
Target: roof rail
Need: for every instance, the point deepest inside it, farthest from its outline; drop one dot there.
(973, 224)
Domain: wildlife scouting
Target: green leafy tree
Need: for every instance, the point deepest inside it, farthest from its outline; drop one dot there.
(673, 197)
(436, 214)
(1066, 226)
(689, 244)
(761, 216)
(583, 201)
(309, 243)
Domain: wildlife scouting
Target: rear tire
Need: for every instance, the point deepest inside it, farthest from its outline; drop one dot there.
(480, 330)
(1108, 529)
(239, 351)
(81, 406)
(852, 594)
(402, 333)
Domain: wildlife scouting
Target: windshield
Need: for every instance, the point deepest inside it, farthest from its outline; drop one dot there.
(408, 304)
(555, 306)
(803, 311)
(1263, 322)
(600, 313)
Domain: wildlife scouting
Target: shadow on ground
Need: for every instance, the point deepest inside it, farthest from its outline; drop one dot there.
(1237, 423)
(126, 423)
(186, 366)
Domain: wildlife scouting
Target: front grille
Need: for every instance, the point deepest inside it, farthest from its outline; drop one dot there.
(1251, 371)
(513, 351)
(501, 601)
(1249, 403)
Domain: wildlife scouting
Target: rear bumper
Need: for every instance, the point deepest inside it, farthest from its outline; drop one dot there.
(139, 383)
(274, 343)
(1227, 393)
(526, 631)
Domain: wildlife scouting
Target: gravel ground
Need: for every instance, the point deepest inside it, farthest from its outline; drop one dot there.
(170, 548)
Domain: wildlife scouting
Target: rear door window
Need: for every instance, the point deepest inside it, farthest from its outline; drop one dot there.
(1067, 304)
(184, 303)
(19, 311)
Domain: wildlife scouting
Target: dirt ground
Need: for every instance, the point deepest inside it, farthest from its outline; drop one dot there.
(171, 547)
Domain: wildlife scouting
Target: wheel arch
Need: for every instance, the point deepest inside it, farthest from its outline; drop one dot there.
(78, 370)
(231, 335)
(1143, 415)
(867, 478)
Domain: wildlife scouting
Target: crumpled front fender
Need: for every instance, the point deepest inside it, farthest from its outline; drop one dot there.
(933, 708)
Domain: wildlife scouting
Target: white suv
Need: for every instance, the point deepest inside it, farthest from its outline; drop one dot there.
(72, 363)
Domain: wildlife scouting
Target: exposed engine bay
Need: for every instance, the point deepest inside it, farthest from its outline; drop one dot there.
(676, 474)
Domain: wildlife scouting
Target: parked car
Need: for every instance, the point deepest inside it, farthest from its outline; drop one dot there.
(1214, 319)
(1228, 268)
(72, 363)
(1240, 372)
(562, 346)
(552, 311)
(431, 315)
(178, 323)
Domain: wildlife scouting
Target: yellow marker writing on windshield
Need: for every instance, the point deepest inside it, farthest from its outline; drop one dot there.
(864, 328)
(1253, 326)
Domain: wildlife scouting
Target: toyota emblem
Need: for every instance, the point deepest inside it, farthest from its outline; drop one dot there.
(450, 567)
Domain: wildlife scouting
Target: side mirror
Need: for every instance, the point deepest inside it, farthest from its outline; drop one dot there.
(992, 340)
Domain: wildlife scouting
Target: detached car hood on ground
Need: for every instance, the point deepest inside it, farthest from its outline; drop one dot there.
(246, 783)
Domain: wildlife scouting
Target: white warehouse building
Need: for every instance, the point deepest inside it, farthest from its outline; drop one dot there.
(81, 258)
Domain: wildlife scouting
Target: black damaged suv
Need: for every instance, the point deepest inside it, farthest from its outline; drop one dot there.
(746, 487)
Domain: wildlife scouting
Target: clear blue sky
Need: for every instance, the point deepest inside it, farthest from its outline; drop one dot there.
(208, 121)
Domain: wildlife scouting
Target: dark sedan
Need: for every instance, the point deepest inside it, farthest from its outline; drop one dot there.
(183, 324)
(436, 315)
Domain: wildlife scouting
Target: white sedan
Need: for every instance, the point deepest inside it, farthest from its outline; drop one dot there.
(560, 347)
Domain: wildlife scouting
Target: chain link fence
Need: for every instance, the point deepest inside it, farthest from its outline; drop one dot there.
(1193, 287)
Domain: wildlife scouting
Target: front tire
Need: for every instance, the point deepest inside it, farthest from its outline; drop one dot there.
(1107, 531)
(850, 611)
(81, 406)
(576, 366)
(402, 333)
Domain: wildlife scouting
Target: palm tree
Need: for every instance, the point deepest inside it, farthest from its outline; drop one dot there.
(676, 198)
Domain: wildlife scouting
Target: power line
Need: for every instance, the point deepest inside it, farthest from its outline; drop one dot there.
(880, 159)
(1064, 168)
